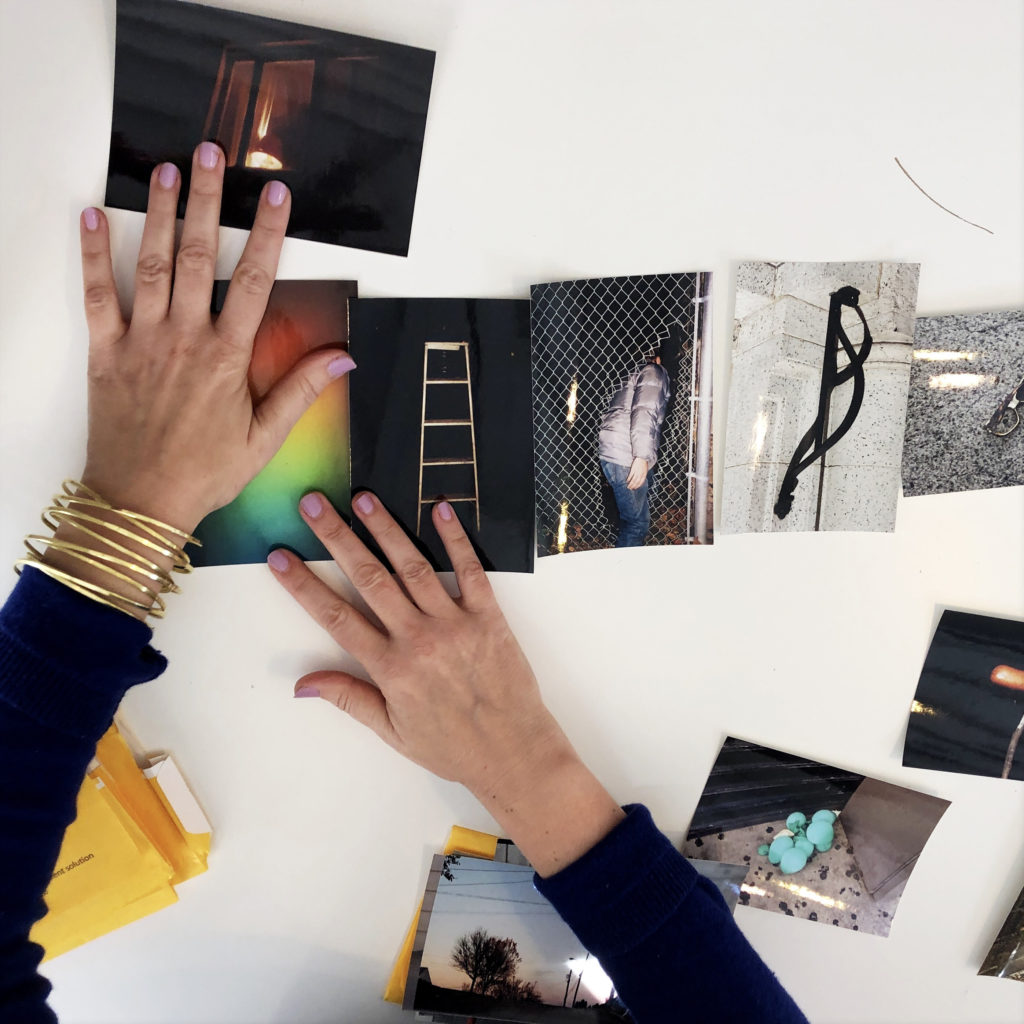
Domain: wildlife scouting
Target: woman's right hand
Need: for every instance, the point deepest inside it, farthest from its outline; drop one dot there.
(451, 688)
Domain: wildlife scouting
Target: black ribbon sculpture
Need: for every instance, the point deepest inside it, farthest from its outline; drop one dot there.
(818, 440)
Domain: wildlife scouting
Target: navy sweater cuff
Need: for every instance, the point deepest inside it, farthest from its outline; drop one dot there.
(66, 661)
(612, 900)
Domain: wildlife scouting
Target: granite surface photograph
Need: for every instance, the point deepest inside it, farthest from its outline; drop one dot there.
(820, 842)
(338, 118)
(622, 397)
(301, 316)
(440, 409)
(967, 715)
(966, 402)
(818, 397)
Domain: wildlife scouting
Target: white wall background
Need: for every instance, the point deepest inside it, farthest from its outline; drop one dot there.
(567, 138)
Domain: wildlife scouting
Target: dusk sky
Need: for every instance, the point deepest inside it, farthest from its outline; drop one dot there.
(500, 898)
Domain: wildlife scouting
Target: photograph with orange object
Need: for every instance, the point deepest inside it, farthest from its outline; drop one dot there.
(301, 316)
(338, 118)
(968, 711)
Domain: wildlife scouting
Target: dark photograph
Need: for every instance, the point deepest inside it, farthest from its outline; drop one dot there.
(622, 412)
(338, 118)
(440, 409)
(968, 711)
(301, 316)
(820, 842)
(1006, 957)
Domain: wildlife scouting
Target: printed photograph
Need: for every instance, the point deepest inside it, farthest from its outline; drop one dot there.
(966, 404)
(819, 842)
(490, 947)
(622, 375)
(440, 409)
(968, 710)
(338, 118)
(301, 316)
(1006, 957)
(821, 359)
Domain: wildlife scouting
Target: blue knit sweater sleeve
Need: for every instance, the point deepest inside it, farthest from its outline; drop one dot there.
(662, 933)
(65, 664)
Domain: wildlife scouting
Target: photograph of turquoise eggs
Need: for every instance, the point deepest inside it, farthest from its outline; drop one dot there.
(819, 843)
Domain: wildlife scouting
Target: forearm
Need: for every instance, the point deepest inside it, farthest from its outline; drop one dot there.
(65, 663)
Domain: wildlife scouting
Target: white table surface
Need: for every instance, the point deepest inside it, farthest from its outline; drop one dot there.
(566, 138)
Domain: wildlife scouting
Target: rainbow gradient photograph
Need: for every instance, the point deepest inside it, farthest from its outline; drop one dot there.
(301, 316)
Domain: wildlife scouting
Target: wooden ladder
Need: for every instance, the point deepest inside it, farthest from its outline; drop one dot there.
(459, 449)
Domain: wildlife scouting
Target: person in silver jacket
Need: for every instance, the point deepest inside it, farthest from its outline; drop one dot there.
(628, 445)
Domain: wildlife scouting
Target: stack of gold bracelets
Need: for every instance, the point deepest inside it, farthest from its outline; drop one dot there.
(77, 506)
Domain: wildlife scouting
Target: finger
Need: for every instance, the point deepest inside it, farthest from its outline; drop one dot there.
(474, 586)
(356, 697)
(368, 576)
(246, 301)
(415, 572)
(329, 610)
(1005, 675)
(197, 256)
(292, 395)
(102, 308)
(155, 268)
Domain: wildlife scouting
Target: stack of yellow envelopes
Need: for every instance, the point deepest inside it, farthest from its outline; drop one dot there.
(139, 833)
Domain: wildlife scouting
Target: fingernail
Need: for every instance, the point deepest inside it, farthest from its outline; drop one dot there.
(277, 192)
(307, 691)
(92, 218)
(341, 365)
(365, 504)
(278, 561)
(167, 175)
(312, 505)
(445, 511)
(209, 154)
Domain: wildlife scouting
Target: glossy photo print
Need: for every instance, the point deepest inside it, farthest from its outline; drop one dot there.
(441, 409)
(339, 118)
(968, 711)
(964, 429)
(820, 842)
(622, 412)
(818, 396)
(490, 947)
(1006, 957)
(301, 316)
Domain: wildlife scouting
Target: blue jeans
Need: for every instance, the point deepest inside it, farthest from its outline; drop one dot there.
(634, 508)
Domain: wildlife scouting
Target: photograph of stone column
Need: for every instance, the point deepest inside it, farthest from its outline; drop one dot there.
(966, 402)
(818, 397)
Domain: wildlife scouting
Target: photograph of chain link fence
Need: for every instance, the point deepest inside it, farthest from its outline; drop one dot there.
(622, 371)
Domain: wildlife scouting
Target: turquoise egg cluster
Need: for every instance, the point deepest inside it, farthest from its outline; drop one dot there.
(792, 852)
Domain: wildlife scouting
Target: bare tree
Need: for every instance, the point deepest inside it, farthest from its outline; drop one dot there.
(486, 960)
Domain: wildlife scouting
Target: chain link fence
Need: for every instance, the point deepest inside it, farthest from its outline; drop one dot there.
(588, 337)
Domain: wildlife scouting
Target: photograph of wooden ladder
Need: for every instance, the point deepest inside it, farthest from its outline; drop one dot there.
(456, 443)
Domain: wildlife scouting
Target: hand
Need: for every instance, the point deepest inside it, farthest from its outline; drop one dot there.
(173, 429)
(637, 474)
(453, 691)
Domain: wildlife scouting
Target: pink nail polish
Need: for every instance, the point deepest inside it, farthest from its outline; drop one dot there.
(307, 691)
(209, 154)
(278, 561)
(92, 218)
(312, 505)
(365, 504)
(445, 511)
(167, 175)
(341, 365)
(277, 192)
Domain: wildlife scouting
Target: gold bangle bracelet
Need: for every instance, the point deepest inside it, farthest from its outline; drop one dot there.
(91, 590)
